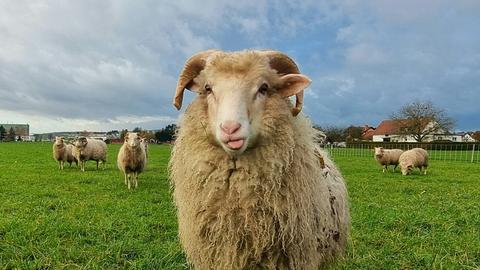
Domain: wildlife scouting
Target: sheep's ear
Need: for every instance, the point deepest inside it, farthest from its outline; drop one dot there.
(285, 65)
(126, 137)
(294, 84)
(190, 71)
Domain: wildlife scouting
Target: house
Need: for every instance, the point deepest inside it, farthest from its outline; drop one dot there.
(367, 132)
(468, 136)
(389, 131)
(21, 131)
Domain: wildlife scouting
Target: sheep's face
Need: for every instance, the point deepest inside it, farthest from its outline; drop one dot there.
(132, 139)
(236, 93)
(407, 169)
(379, 152)
(81, 142)
(58, 141)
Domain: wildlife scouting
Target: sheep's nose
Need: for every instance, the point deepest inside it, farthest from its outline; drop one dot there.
(230, 127)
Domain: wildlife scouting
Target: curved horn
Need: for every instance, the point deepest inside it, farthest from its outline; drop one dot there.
(283, 64)
(192, 68)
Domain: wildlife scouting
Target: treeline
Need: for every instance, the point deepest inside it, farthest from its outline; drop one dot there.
(164, 135)
(341, 134)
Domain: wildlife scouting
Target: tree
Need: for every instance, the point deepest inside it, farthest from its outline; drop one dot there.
(353, 133)
(419, 119)
(137, 129)
(3, 133)
(123, 133)
(166, 134)
(476, 136)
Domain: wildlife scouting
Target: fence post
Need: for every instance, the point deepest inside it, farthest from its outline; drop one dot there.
(473, 152)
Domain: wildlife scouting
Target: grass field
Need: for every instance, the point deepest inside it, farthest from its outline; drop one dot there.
(73, 220)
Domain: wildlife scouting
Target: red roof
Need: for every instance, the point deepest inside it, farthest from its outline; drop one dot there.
(387, 127)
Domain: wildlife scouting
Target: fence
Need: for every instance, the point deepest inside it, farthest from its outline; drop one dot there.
(466, 152)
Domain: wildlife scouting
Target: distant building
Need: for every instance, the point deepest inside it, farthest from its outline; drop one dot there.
(71, 135)
(388, 131)
(22, 131)
(367, 132)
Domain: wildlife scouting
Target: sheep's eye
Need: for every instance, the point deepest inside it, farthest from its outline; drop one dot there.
(208, 89)
(263, 89)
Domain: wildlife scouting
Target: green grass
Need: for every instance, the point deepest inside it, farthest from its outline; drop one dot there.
(449, 155)
(413, 222)
(73, 220)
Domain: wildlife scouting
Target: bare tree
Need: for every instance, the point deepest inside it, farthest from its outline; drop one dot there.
(419, 119)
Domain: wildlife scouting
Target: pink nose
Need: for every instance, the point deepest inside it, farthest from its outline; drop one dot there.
(229, 127)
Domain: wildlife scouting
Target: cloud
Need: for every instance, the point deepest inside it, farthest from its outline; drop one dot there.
(103, 62)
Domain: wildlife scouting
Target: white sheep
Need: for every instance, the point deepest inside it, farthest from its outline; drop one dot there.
(387, 157)
(247, 173)
(63, 152)
(414, 158)
(144, 143)
(131, 159)
(90, 149)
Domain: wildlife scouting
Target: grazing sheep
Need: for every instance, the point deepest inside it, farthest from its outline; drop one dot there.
(63, 152)
(414, 158)
(131, 159)
(387, 157)
(248, 183)
(90, 149)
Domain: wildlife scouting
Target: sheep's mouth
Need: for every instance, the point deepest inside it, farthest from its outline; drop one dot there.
(235, 144)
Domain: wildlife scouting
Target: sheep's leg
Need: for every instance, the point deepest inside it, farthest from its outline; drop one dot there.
(97, 164)
(385, 168)
(136, 179)
(125, 174)
(425, 171)
(395, 167)
(129, 180)
(83, 165)
(61, 164)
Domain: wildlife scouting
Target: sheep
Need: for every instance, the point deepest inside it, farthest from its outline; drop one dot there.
(63, 152)
(414, 158)
(90, 149)
(131, 159)
(387, 157)
(248, 183)
(144, 143)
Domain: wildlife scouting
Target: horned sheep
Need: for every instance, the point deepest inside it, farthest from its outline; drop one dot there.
(131, 159)
(414, 158)
(90, 149)
(246, 170)
(386, 157)
(63, 152)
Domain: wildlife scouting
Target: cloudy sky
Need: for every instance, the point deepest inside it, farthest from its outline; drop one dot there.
(102, 65)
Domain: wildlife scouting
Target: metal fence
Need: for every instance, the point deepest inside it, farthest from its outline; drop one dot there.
(466, 152)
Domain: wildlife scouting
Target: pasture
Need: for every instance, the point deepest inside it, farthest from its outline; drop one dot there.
(73, 220)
